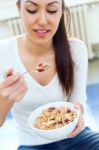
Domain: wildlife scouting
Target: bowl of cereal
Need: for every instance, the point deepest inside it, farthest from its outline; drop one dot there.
(55, 120)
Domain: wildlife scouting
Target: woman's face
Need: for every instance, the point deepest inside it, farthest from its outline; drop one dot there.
(41, 18)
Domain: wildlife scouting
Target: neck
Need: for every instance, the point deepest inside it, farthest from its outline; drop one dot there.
(36, 49)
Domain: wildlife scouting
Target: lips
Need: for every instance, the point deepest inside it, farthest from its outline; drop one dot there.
(41, 32)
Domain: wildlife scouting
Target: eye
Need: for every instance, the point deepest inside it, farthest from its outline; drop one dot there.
(52, 12)
(31, 11)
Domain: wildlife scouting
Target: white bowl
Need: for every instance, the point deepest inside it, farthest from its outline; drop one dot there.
(54, 134)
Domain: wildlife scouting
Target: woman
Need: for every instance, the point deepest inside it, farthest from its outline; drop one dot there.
(64, 79)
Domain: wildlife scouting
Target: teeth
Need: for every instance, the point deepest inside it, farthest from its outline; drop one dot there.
(42, 31)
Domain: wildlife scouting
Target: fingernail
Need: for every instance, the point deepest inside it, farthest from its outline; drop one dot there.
(77, 106)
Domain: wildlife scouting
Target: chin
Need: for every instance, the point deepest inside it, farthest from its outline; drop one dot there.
(42, 41)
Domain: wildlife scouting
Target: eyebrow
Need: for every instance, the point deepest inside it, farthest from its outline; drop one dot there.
(37, 4)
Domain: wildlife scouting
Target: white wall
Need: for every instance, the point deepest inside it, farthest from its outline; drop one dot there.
(7, 10)
(77, 2)
(93, 23)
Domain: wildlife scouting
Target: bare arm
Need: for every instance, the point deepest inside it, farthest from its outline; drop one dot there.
(12, 90)
(5, 106)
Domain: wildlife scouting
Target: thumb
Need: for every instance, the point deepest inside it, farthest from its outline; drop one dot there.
(79, 106)
(9, 72)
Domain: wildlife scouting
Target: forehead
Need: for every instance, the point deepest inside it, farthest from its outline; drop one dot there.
(46, 2)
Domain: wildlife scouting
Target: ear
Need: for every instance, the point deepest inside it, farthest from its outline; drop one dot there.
(18, 4)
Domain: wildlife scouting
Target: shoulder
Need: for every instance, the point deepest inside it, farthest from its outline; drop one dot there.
(7, 41)
(7, 49)
(7, 45)
(78, 49)
(77, 45)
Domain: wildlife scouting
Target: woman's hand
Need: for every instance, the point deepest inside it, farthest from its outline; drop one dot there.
(80, 124)
(12, 90)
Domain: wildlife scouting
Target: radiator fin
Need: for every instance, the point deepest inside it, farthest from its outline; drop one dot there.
(79, 28)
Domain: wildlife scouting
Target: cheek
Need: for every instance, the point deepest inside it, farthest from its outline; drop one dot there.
(27, 20)
(56, 21)
(57, 18)
(25, 17)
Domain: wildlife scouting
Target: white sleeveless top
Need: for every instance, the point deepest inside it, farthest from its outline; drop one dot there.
(37, 94)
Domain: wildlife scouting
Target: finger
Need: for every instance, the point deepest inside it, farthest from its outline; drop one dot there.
(20, 97)
(17, 95)
(13, 88)
(78, 127)
(10, 80)
(78, 106)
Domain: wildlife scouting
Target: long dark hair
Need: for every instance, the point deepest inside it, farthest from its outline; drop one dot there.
(63, 58)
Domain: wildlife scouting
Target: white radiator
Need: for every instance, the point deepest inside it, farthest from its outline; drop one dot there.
(79, 28)
(15, 26)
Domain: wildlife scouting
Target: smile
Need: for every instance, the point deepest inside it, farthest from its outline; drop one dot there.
(41, 33)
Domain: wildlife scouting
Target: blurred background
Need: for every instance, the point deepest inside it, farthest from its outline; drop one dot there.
(85, 26)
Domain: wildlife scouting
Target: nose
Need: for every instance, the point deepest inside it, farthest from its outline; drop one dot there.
(42, 18)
